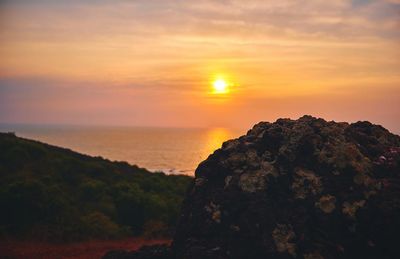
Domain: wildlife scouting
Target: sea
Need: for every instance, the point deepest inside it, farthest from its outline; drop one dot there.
(169, 150)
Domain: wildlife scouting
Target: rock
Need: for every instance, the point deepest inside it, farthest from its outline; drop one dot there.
(305, 183)
(326, 203)
(283, 236)
(303, 188)
(350, 209)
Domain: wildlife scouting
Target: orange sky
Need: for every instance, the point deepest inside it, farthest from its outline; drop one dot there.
(151, 63)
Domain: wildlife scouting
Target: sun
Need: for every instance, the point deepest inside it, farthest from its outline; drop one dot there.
(220, 86)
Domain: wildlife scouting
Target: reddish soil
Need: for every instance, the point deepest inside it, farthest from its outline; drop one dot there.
(89, 249)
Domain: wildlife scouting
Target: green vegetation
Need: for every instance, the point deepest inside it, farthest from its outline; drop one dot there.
(51, 193)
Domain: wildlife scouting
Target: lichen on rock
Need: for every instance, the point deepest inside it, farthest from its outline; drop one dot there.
(313, 255)
(253, 181)
(228, 180)
(326, 203)
(342, 155)
(284, 236)
(235, 160)
(306, 183)
(351, 208)
(214, 211)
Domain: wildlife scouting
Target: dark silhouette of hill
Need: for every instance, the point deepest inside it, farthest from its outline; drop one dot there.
(53, 193)
(303, 188)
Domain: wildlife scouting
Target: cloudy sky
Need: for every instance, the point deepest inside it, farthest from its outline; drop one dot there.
(152, 62)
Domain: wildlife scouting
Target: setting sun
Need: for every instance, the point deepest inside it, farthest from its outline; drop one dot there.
(220, 86)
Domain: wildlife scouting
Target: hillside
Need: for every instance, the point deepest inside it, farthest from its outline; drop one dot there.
(52, 193)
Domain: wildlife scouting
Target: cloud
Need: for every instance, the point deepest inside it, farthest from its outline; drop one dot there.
(304, 18)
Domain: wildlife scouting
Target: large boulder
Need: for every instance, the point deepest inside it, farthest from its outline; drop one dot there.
(303, 188)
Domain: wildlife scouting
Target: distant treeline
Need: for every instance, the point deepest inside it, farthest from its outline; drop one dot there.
(51, 193)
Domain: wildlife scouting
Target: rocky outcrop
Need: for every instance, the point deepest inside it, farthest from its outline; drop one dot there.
(303, 188)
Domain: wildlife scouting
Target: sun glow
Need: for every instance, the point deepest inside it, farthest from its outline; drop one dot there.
(220, 86)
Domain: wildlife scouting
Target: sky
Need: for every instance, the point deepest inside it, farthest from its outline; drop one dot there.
(152, 62)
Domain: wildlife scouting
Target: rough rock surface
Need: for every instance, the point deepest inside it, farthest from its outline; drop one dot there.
(303, 188)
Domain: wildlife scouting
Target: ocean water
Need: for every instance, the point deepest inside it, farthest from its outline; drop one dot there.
(171, 150)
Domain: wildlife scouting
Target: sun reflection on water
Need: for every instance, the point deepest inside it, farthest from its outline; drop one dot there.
(215, 138)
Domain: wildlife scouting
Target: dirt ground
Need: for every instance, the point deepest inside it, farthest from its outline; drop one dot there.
(88, 249)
